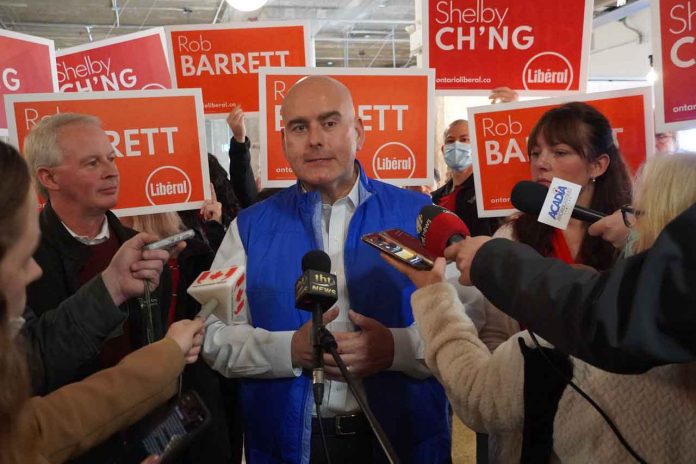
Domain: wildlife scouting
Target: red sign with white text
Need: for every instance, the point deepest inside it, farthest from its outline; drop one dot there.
(394, 105)
(224, 59)
(499, 140)
(538, 47)
(158, 137)
(27, 65)
(129, 62)
(674, 47)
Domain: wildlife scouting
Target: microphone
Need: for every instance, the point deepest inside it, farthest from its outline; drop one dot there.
(438, 228)
(221, 292)
(316, 291)
(529, 197)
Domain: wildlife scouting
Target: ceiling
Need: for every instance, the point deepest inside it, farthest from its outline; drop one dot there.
(359, 33)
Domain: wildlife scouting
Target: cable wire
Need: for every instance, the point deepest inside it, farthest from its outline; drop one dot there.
(592, 402)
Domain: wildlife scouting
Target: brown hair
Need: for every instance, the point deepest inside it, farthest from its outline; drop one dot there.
(588, 132)
(14, 379)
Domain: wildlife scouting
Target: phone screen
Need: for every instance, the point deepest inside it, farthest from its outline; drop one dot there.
(403, 246)
(188, 416)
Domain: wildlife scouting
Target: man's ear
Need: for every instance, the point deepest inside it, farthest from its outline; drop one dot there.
(47, 178)
(360, 132)
(282, 142)
(600, 165)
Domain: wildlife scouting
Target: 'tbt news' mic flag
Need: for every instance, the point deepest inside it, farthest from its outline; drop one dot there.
(221, 292)
(316, 286)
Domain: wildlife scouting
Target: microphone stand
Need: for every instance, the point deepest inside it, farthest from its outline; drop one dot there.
(328, 343)
(318, 371)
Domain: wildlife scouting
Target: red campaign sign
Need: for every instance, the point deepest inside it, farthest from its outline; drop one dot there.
(499, 136)
(129, 62)
(674, 50)
(158, 137)
(27, 65)
(395, 106)
(538, 47)
(223, 60)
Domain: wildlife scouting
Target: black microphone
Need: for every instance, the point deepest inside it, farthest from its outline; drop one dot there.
(316, 291)
(528, 197)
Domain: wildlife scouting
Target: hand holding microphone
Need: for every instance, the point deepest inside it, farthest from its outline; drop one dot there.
(316, 291)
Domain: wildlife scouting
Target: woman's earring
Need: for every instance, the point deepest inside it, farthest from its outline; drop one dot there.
(592, 179)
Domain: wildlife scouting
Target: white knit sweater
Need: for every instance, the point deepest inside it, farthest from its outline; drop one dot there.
(655, 411)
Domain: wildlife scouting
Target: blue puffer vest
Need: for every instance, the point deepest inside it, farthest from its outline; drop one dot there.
(277, 413)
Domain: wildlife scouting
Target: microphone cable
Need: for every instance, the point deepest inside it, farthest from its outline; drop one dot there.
(321, 431)
(592, 402)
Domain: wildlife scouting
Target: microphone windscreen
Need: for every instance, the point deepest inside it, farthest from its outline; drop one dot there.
(436, 225)
(316, 260)
(528, 196)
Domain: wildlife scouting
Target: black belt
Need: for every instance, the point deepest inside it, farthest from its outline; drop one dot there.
(353, 424)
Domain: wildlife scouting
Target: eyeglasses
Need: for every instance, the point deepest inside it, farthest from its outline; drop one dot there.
(630, 215)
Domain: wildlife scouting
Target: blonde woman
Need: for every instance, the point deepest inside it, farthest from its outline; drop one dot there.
(655, 412)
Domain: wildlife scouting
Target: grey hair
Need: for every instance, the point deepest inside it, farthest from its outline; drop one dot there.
(41, 145)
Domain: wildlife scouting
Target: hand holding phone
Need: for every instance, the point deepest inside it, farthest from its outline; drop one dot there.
(402, 246)
(173, 429)
(170, 241)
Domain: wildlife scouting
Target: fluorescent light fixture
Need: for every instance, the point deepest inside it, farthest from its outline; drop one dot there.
(246, 5)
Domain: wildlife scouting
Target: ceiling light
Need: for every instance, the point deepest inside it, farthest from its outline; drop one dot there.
(330, 63)
(246, 5)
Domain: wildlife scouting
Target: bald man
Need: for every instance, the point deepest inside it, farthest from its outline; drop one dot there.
(332, 205)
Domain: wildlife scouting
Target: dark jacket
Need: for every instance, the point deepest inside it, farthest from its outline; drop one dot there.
(465, 207)
(241, 173)
(70, 335)
(65, 354)
(637, 315)
(64, 361)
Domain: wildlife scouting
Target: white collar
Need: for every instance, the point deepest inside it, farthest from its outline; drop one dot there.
(101, 237)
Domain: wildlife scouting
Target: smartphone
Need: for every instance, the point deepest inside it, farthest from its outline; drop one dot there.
(402, 246)
(175, 431)
(170, 241)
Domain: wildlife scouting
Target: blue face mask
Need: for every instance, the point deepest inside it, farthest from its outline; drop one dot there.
(458, 155)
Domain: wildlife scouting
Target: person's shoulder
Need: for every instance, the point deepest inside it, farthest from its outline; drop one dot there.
(389, 189)
(507, 229)
(278, 200)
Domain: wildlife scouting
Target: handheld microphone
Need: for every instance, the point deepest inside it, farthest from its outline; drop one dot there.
(528, 197)
(221, 292)
(439, 228)
(316, 291)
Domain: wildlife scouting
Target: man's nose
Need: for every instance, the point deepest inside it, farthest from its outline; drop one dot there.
(110, 169)
(315, 136)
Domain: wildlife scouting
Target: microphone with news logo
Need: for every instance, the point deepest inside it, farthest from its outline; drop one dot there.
(316, 291)
(438, 228)
(221, 292)
(529, 197)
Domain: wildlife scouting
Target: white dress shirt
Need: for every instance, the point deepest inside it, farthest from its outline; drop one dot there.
(101, 237)
(241, 350)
